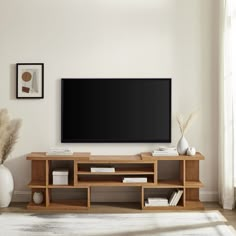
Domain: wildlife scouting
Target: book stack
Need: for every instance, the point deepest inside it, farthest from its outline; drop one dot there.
(175, 197)
(102, 169)
(159, 201)
(59, 151)
(165, 151)
(134, 180)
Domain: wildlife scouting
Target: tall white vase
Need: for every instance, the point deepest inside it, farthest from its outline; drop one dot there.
(182, 146)
(6, 186)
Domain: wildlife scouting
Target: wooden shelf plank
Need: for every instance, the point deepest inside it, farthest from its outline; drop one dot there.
(171, 208)
(189, 205)
(148, 156)
(68, 186)
(118, 161)
(170, 184)
(61, 186)
(60, 205)
(118, 158)
(167, 184)
(193, 184)
(128, 172)
(68, 205)
(111, 183)
(33, 206)
(42, 156)
(37, 184)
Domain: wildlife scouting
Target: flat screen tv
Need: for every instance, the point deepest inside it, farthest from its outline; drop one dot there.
(115, 110)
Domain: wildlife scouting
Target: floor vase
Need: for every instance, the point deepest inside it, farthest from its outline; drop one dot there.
(6, 186)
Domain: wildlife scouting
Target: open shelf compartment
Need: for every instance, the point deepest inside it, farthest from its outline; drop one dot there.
(32, 205)
(38, 174)
(170, 173)
(72, 199)
(165, 193)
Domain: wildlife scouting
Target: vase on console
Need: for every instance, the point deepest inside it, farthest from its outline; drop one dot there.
(184, 124)
(182, 145)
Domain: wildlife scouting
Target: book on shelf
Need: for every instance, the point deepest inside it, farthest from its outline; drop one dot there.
(157, 199)
(166, 148)
(172, 197)
(147, 204)
(175, 197)
(165, 151)
(102, 169)
(156, 202)
(59, 151)
(134, 180)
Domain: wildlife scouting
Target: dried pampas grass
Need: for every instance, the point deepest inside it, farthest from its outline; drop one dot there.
(185, 122)
(9, 130)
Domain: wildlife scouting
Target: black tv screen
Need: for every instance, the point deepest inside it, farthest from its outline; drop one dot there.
(115, 110)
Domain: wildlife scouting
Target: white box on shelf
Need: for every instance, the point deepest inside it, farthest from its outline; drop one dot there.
(60, 177)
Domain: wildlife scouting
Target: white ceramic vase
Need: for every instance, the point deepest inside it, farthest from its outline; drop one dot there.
(38, 197)
(6, 186)
(182, 145)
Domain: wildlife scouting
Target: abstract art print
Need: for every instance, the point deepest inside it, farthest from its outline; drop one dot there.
(29, 80)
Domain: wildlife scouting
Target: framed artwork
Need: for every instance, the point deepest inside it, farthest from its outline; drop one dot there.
(29, 80)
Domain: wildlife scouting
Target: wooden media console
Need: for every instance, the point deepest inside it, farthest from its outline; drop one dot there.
(144, 165)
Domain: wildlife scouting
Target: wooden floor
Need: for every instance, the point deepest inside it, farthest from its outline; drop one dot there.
(128, 208)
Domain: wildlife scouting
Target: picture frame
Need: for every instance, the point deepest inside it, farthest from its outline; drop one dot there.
(29, 80)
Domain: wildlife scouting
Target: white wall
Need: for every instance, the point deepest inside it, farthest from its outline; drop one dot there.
(111, 38)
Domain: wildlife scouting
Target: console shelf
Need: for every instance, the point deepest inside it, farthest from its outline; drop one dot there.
(81, 179)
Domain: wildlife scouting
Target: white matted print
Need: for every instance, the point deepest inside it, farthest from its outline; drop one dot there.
(29, 80)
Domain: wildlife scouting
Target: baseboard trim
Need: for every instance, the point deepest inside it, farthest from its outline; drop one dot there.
(21, 196)
(209, 196)
(102, 195)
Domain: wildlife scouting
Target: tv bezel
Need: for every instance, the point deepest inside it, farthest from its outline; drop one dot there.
(63, 140)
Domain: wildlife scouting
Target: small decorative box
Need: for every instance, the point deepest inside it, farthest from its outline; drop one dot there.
(60, 177)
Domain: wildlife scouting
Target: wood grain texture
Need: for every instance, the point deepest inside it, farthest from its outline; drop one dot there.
(148, 156)
(38, 171)
(192, 170)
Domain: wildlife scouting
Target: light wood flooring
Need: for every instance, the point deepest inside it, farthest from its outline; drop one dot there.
(128, 208)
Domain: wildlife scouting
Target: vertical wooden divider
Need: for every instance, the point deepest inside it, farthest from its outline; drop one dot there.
(75, 181)
(47, 200)
(184, 179)
(47, 173)
(88, 197)
(142, 197)
(182, 166)
(155, 172)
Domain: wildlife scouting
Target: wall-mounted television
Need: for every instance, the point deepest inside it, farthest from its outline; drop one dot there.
(115, 110)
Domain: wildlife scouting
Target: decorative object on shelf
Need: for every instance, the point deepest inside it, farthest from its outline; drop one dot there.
(59, 151)
(38, 198)
(182, 145)
(191, 151)
(165, 151)
(29, 80)
(60, 177)
(184, 125)
(8, 137)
